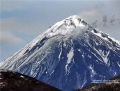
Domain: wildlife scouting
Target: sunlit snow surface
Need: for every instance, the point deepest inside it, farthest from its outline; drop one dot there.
(69, 55)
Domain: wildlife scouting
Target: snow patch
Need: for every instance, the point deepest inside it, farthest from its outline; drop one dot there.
(69, 56)
(22, 76)
(60, 52)
(118, 64)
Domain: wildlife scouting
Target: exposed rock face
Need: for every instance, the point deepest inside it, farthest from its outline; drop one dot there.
(12, 81)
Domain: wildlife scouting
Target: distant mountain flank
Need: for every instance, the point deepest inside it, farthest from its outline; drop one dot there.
(13, 81)
(70, 55)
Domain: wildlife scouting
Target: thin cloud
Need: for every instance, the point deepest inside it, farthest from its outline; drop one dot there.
(116, 4)
(16, 25)
(7, 38)
(9, 5)
(11, 26)
(94, 24)
(91, 15)
(94, 17)
(104, 20)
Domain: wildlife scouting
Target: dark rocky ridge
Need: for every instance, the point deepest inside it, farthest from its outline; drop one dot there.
(13, 81)
(112, 84)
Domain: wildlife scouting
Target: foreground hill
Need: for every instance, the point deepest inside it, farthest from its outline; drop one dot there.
(12, 81)
(112, 84)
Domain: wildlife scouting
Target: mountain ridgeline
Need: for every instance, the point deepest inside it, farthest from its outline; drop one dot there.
(69, 55)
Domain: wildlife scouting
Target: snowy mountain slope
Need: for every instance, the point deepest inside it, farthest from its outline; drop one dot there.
(69, 55)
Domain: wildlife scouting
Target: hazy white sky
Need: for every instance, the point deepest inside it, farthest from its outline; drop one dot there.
(23, 20)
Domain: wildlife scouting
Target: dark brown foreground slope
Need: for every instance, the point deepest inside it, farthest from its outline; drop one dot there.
(12, 81)
(110, 85)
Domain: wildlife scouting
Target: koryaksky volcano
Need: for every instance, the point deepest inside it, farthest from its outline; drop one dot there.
(69, 55)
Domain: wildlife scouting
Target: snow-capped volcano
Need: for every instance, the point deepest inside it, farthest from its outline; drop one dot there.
(69, 55)
(66, 26)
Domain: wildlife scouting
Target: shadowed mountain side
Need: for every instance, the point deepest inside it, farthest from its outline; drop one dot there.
(13, 81)
(112, 84)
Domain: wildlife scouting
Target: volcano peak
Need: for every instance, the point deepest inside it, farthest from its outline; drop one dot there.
(66, 26)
